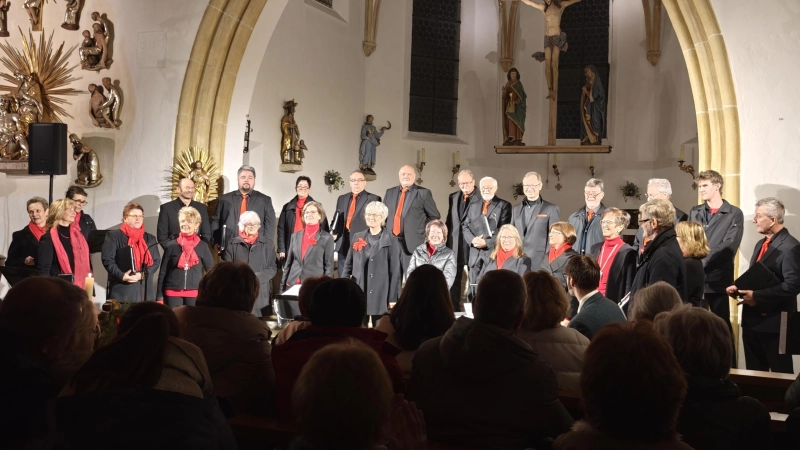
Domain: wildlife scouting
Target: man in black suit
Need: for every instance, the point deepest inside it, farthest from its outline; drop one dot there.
(586, 220)
(411, 207)
(83, 220)
(594, 310)
(351, 211)
(723, 226)
(532, 219)
(459, 202)
(658, 188)
(168, 214)
(482, 222)
(232, 204)
(779, 251)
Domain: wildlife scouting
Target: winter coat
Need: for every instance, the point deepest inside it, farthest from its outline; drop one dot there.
(443, 259)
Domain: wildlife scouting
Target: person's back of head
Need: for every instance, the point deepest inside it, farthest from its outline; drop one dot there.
(139, 310)
(632, 384)
(651, 300)
(306, 289)
(229, 285)
(424, 309)
(700, 340)
(500, 299)
(546, 304)
(337, 303)
(342, 398)
(584, 272)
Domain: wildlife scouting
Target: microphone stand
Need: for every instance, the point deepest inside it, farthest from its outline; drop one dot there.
(145, 273)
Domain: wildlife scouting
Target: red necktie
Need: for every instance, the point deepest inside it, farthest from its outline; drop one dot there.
(764, 247)
(351, 211)
(644, 243)
(243, 208)
(589, 215)
(398, 214)
(485, 208)
(466, 196)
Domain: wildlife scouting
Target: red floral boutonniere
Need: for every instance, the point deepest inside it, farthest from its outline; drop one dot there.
(359, 244)
(312, 241)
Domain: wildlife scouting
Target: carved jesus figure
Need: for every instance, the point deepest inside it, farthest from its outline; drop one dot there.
(555, 40)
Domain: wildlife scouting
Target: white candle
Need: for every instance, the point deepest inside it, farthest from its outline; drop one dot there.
(458, 158)
(422, 155)
(591, 160)
(555, 159)
(682, 152)
(89, 286)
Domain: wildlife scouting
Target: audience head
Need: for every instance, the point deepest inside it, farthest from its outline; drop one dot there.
(508, 239)
(709, 185)
(562, 233)
(37, 210)
(500, 299)
(466, 181)
(337, 303)
(692, 239)
(61, 212)
(659, 188)
(488, 188)
(651, 300)
(769, 215)
(345, 373)
(229, 285)
(632, 384)
(138, 310)
(613, 222)
(582, 274)
(249, 222)
(436, 232)
(375, 214)
(547, 303)
(407, 176)
(186, 189)
(306, 289)
(246, 179)
(700, 339)
(78, 195)
(313, 213)
(357, 182)
(531, 185)
(424, 309)
(302, 186)
(133, 215)
(593, 193)
(656, 216)
(189, 220)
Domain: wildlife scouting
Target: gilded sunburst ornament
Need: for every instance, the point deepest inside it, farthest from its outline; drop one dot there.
(195, 163)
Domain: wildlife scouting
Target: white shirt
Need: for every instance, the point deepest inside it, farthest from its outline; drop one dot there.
(583, 299)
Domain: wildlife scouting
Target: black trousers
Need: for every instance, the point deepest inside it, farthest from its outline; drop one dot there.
(179, 301)
(761, 352)
(455, 290)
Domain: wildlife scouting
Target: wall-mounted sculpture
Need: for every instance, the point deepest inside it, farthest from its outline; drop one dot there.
(104, 107)
(34, 10)
(96, 48)
(88, 163)
(4, 6)
(291, 153)
(370, 140)
(515, 109)
(593, 108)
(196, 164)
(13, 132)
(72, 15)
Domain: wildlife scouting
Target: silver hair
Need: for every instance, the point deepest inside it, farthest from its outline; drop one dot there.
(775, 208)
(466, 171)
(246, 169)
(533, 174)
(248, 217)
(377, 208)
(662, 184)
(494, 182)
(596, 182)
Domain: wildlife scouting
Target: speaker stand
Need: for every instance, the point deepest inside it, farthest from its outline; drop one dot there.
(51, 189)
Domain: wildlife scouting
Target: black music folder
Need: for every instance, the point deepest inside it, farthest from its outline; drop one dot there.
(789, 342)
(96, 240)
(125, 260)
(337, 224)
(757, 277)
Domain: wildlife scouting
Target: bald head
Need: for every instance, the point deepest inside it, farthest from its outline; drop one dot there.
(407, 175)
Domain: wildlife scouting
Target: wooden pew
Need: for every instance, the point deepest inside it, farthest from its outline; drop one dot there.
(767, 387)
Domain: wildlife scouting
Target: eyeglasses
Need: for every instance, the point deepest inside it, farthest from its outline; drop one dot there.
(360, 180)
(487, 188)
(136, 216)
(607, 222)
(531, 186)
(252, 225)
(592, 195)
(506, 238)
(555, 232)
(372, 216)
(466, 184)
(80, 202)
(302, 188)
(641, 221)
(650, 197)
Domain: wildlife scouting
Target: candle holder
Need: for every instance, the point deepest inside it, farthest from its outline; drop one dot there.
(455, 170)
(556, 172)
(420, 166)
(688, 169)
(591, 170)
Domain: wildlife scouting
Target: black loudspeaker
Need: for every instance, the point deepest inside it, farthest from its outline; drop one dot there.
(48, 149)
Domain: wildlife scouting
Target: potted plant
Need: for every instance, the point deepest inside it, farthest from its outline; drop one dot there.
(630, 190)
(517, 190)
(333, 180)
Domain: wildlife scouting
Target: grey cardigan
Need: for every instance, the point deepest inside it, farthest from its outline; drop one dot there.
(443, 259)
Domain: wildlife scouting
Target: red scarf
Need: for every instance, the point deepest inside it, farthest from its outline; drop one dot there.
(298, 214)
(188, 255)
(80, 252)
(431, 249)
(247, 238)
(77, 222)
(556, 253)
(605, 258)
(308, 238)
(37, 231)
(136, 240)
(502, 256)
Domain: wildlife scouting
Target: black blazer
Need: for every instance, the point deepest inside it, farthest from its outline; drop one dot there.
(597, 312)
(227, 213)
(497, 215)
(23, 244)
(456, 214)
(286, 223)
(261, 258)
(724, 233)
(588, 234)
(662, 260)
(87, 225)
(118, 289)
(695, 280)
(359, 222)
(680, 216)
(378, 270)
(621, 273)
(318, 260)
(783, 259)
(173, 277)
(47, 262)
(521, 265)
(418, 209)
(535, 234)
(556, 268)
(168, 221)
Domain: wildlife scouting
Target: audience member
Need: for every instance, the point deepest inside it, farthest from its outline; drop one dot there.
(234, 342)
(350, 373)
(290, 220)
(258, 252)
(183, 262)
(654, 299)
(507, 254)
(481, 386)
(586, 221)
(423, 312)
(83, 221)
(310, 253)
(24, 249)
(617, 260)
(47, 331)
(632, 388)
(434, 251)
(792, 397)
(336, 312)
(594, 311)
(63, 250)
(715, 415)
(694, 247)
(303, 299)
(541, 328)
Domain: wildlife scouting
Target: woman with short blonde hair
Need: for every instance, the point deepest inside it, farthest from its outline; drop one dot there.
(435, 251)
(181, 268)
(694, 246)
(507, 254)
(562, 236)
(63, 248)
(310, 252)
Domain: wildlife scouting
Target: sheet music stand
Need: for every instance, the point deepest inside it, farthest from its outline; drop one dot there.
(96, 240)
(286, 308)
(16, 274)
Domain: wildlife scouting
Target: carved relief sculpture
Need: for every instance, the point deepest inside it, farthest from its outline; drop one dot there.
(95, 50)
(72, 15)
(202, 182)
(593, 108)
(515, 108)
(4, 6)
(34, 10)
(13, 132)
(370, 140)
(290, 134)
(88, 163)
(29, 98)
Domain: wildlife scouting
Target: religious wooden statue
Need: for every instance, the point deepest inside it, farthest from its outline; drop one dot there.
(72, 15)
(88, 163)
(95, 50)
(99, 111)
(29, 98)
(34, 10)
(196, 164)
(13, 132)
(370, 140)
(514, 109)
(4, 6)
(593, 108)
(290, 134)
(202, 182)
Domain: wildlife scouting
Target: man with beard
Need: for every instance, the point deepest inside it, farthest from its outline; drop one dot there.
(168, 223)
(233, 204)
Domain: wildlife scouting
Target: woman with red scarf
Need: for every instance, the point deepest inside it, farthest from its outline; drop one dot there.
(310, 253)
(63, 250)
(617, 259)
(125, 285)
(256, 251)
(562, 236)
(24, 249)
(181, 267)
(507, 254)
(290, 220)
